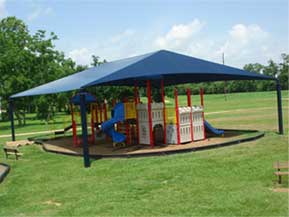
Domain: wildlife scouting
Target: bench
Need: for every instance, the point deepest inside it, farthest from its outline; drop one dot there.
(12, 151)
(18, 143)
(281, 166)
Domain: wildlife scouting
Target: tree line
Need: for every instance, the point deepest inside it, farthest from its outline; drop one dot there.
(28, 60)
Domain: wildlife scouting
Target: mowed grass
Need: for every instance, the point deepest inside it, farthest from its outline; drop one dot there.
(230, 181)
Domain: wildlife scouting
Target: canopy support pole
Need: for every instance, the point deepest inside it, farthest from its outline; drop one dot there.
(279, 102)
(84, 131)
(177, 116)
(136, 102)
(11, 117)
(149, 95)
(189, 101)
(164, 110)
(203, 113)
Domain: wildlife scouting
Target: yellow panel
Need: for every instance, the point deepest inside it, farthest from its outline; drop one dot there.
(130, 110)
(171, 115)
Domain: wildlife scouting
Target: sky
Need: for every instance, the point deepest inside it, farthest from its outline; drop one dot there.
(246, 31)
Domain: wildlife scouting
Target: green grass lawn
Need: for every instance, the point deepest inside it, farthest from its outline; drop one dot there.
(230, 181)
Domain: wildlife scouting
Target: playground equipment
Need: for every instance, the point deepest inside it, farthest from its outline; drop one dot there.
(157, 120)
(189, 123)
(142, 123)
(213, 130)
(198, 123)
(122, 113)
(108, 126)
(75, 100)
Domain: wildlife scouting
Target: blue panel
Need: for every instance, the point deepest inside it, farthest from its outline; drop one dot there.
(213, 130)
(89, 98)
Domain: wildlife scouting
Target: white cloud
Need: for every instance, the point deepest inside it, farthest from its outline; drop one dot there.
(3, 11)
(38, 11)
(248, 43)
(81, 56)
(241, 44)
(179, 34)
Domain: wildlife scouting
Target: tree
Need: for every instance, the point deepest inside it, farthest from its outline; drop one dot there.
(27, 61)
(15, 60)
(283, 71)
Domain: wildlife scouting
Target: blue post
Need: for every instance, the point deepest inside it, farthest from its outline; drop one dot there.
(84, 131)
(11, 117)
(279, 102)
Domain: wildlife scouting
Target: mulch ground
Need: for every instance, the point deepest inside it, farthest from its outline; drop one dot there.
(64, 145)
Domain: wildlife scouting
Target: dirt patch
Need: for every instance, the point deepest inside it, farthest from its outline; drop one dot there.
(281, 190)
(51, 202)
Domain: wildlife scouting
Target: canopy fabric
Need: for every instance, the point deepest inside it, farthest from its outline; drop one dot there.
(172, 67)
(89, 98)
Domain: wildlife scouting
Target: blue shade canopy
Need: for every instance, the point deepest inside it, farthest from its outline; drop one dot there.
(89, 98)
(172, 67)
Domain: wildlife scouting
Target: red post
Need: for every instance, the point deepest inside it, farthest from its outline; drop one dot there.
(150, 113)
(72, 112)
(136, 93)
(127, 132)
(113, 103)
(164, 110)
(203, 115)
(96, 115)
(105, 116)
(177, 117)
(136, 101)
(189, 97)
(191, 114)
(100, 112)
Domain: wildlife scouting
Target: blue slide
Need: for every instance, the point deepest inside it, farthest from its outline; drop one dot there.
(108, 126)
(213, 130)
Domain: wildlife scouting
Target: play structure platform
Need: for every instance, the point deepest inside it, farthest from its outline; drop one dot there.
(105, 149)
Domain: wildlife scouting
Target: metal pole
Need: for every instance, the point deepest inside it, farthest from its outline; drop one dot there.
(177, 116)
(203, 114)
(11, 116)
(136, 101)
(150, 113)
(279, 102)
(164, 110)
(189, 101)
(84, 130)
